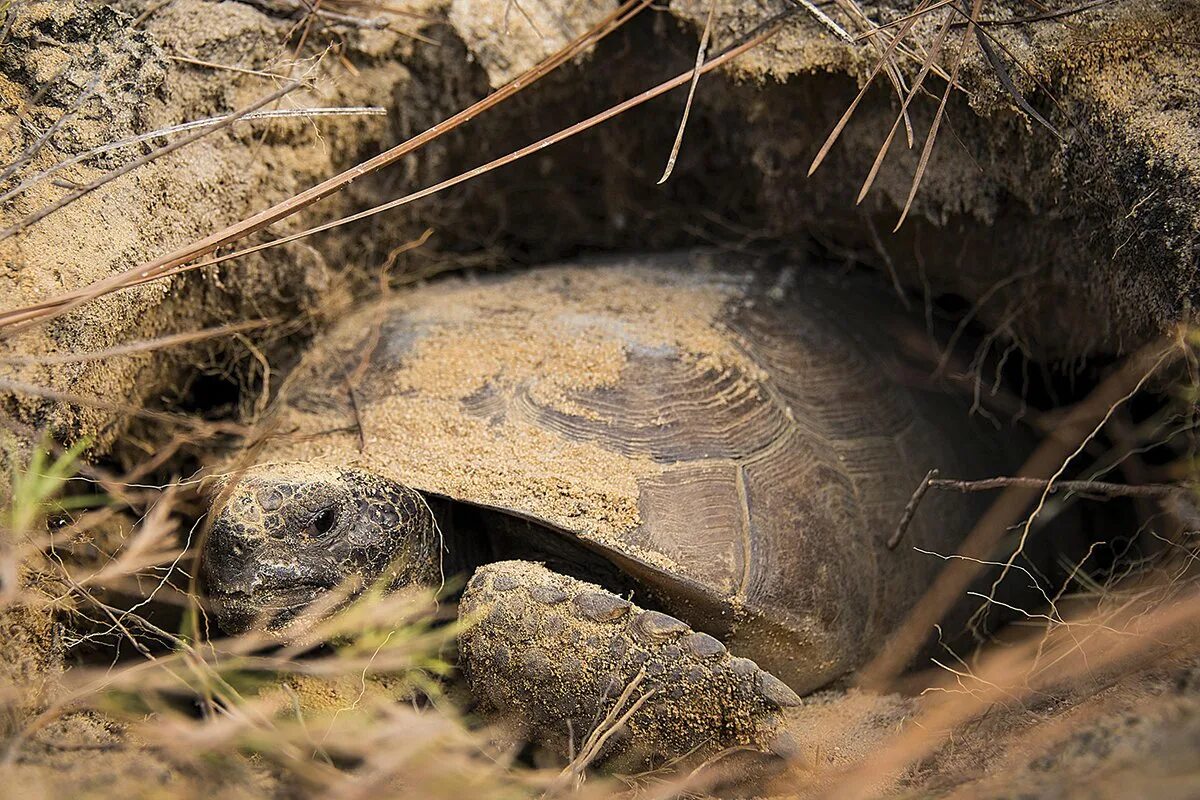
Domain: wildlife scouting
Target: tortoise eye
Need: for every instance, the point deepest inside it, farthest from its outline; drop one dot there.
(56, 522)
(323, 522)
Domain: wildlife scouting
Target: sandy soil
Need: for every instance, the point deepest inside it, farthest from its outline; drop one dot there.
(1071, 246)
(1102, 228)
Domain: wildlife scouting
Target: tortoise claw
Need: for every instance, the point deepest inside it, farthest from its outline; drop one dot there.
(777, 692)
(559, 667)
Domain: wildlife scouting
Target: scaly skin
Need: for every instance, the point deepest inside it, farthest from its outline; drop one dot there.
(283, 534)
(555, 654)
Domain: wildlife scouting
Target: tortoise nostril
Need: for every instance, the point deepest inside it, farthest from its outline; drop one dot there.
(232, 537)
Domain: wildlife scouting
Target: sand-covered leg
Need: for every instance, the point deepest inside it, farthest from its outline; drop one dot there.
(579, 667)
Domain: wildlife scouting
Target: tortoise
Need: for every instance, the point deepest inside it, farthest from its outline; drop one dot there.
(727, 444)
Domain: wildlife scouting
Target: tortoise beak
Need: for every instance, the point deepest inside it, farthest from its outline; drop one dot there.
(276, 595)
(252, 585)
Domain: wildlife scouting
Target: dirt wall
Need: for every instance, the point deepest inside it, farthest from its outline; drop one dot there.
(1075, 244)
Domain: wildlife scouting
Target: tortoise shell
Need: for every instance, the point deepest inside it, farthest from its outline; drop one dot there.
(741, 440)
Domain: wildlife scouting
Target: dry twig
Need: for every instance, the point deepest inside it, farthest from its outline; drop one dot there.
(1100, 488)
(16, 319)
(21, 317)
(1044, 464)
(208, 122)
(42, 213)
(687, 106)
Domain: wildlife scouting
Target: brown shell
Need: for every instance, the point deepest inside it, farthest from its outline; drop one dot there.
(739, 439)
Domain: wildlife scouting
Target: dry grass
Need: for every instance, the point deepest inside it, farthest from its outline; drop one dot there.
(186, 257)
(896, 42)
(347, 704)
(360, 701)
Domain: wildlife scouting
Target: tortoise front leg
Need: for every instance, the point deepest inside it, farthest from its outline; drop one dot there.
(587, 672)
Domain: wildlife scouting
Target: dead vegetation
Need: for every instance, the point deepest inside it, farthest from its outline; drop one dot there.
(358, 702)
(113, 681)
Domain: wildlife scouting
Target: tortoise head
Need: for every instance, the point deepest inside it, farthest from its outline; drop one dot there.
(284, 535)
